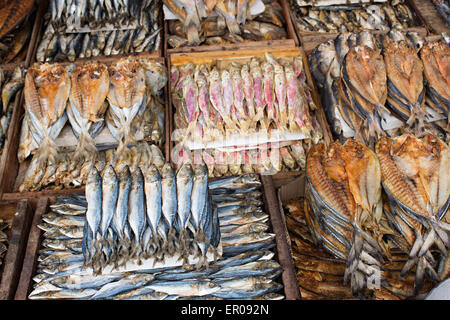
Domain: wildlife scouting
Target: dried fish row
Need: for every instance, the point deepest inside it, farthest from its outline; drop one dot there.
(321, 276)
(404, 76)
(222, 22)
(269, 158)
(416, 180)
(266, 98)
(126, 96)
(99, 28)
(353, 18)
(4, 226)
(245, 271)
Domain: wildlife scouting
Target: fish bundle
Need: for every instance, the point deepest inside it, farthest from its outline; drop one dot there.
(264, 98)
(352, 18)
(99, 28)
(71, 172)
(130, 216)
(443, 7)
(223, 22)
(401, 101)
(416, 180)
(12, 13)
(10, 84)
(47, 89)
(246, 270)
(277, 157)
(343, 208)
(321, 275)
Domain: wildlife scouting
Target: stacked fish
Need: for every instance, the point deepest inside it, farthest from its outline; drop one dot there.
(277, 157)
(364, 92)
(443, 7)
(267, 97)
(353, 18)
(132, 217)
(344, 209)
(4, 226)
(69, 172)
(10, 84)
(245, 271)
(417, 183)
(321, 275)
(131, 88)
(219, 22)
(14, 44)
(86, 28)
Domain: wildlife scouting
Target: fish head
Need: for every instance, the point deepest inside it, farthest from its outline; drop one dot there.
(94, 177)
(109, 174)
(167, 171)
(186, 172)
(201, 170)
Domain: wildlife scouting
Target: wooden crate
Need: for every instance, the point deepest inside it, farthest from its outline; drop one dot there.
(277, 226)
(291, 40)
(213, 56)
(19, 214)
(434, 22)
(10, 169)
(310, 39)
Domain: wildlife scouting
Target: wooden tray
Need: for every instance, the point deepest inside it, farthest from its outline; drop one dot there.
(277, 226)
(208, 57)
(10, 169)
(19, 213)
(291, 40)
(310, 39)
(431, 18)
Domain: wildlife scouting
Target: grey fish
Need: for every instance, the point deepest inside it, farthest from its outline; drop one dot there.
(110, 190)
(255, 268)
(129, 282)
(94, 199)
(199, 194)
(169, 202)
(188, 288)
(185, 182)
(136, 212)
(153, 194)
(77, 282)
(258, 290)
(240, 218)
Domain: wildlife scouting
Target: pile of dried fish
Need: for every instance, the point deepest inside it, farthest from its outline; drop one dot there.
(257, 100)
(277, 157)
(443, 7)
(126, 96)
(219, 22)
(372, 84)
(245, 271)
(344, 209)
(353, 18)
(10, 84)
(4, 226)
(321, 275)
(70, 172)
(415, 176)
(86, 28)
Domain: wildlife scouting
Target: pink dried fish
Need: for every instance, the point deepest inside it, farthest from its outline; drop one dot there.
(190, 94)
(294, 101)
(258, 93)
(247, 164)
(287, 158)
(227, 94)
(298, 153)
(209, 160)
(248, 93)
(215, 93)
(269, 93)
(238, 94)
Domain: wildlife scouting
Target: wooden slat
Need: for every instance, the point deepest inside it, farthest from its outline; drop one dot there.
(430, 16)
(32, 248)
(16, 250)
(291, 288)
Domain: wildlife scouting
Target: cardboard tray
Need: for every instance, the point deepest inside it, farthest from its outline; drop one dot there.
(19, 214)
(10, 169)
(245, 54)
(277, 226)
(291, 40)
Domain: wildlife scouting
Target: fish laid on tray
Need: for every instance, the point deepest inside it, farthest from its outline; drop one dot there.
(391, 81)
(266, 97)
(395, 14)
(11, 82)
(126, 96)
(221, 22)
(91, 28)
(320, 275)
(415, 177)
(344, 209)
(246, 269)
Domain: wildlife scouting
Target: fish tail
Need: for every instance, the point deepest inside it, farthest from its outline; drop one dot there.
(192, 35)
(48, 151)
(86, 147)
(171, 241)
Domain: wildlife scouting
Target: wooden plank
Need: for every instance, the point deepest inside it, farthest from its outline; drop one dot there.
(39, 194)
(16, 250)
(32, 248)
(291, 288)
(434, 22)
